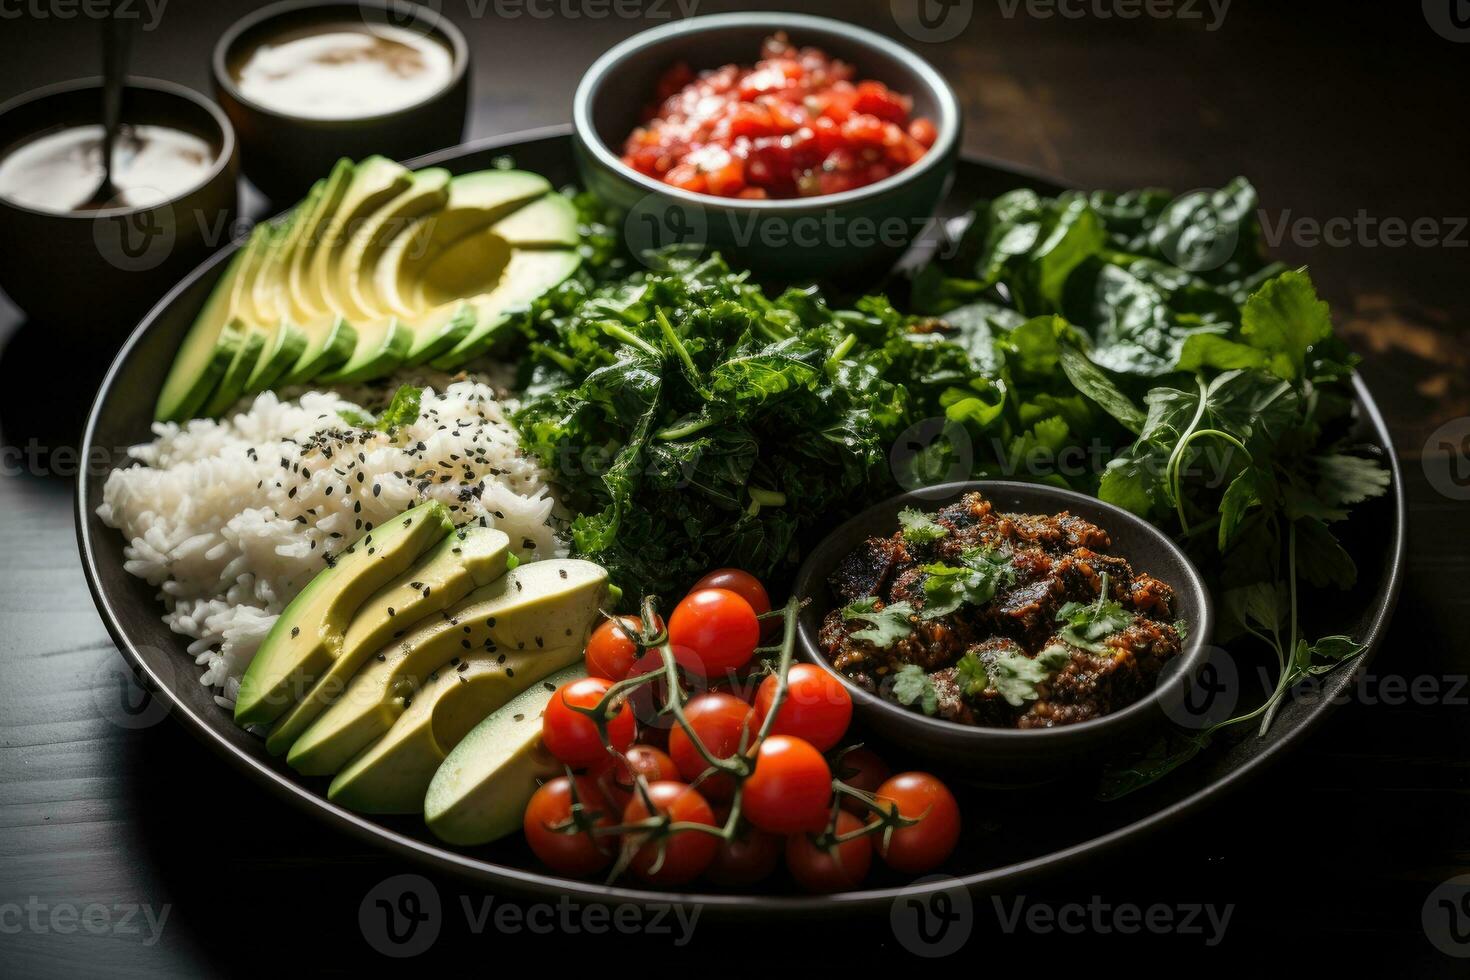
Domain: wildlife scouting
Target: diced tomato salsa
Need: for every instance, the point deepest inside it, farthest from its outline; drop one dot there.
(794, 125)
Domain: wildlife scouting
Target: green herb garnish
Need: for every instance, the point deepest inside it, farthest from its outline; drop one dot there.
(912, 687)
(1089, 622)
(919, 528)
(403, 409)
(1014, 676)
(888, 625)
(973, 582)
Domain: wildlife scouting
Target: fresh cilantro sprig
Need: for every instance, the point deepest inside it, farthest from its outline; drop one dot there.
(1088, 622)
(912, 687)
(919, 527)
(1014, 676)
(887, 625)
(973, 582)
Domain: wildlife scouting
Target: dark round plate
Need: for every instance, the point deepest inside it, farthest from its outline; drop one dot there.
(1026, 832)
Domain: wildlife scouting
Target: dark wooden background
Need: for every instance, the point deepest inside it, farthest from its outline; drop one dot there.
(1333, 110)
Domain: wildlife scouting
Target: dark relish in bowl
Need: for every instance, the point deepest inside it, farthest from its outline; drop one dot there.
(796, 124)
(1001, 620)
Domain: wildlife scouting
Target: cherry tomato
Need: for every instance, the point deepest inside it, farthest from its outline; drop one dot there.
(721, 721)
(577, 854)
(570, 735)
(686, 853)
(747, 587)
(924, 846)
(860, 768)
(743, 584)
(842, 868)
(614, 777)
(718, 626)
(817, 707)
(610, 653)
(746, 859)
(790, 788)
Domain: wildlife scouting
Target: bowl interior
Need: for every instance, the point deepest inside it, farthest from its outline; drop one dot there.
(301, 17)
(145, 102)
(1145, 548)
(620, 88)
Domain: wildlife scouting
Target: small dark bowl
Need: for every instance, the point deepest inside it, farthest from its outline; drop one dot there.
(283, 154)
(848, 236)
(96, 271)
(1014, 755)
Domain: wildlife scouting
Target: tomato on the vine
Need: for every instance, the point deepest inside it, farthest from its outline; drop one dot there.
(550, 812)
(861, 768)
(817, 706)
(747, 858)
(839, 868)
(570, 735)
(720, 721)
(686, 853)
(747, 587)
(923, 846)
(742, 583)
(790, 789)
(610, 652)
(615, 778)
(649, 699)
(718, 626)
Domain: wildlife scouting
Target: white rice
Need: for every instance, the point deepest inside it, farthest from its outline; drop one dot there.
(231, 518)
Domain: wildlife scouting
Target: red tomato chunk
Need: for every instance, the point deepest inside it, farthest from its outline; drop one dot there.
(794, 125)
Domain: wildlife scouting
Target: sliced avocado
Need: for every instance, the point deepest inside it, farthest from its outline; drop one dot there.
(480, 791)
(330, 338)
(207, 352)
(549, 222)
(308, 636)
(468, 559)
(453, 259)
(527, 275)
(383, 337)
(477, 200)
(392, 775)
(376, 182)
(272, 306)
(554, 602)
(253, 336)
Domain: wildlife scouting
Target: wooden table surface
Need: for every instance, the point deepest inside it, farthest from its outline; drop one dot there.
(1334, 113)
